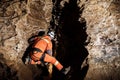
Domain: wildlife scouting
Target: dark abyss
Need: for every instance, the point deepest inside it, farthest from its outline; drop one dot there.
(71, 35)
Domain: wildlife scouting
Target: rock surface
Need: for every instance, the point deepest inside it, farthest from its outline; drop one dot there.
(103, 28)
(19, 20)
(88, 37)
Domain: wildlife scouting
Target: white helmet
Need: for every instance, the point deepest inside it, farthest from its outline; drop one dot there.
(51, 34)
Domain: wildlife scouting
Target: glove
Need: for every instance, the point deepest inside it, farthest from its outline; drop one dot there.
(34, 62)
(27, 60)
(65, 71)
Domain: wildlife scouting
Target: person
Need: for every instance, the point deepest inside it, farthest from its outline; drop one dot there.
(41, 51)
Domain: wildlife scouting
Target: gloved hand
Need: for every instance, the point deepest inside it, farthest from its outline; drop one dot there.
(34, 62)
(27, 60)
(65, 71)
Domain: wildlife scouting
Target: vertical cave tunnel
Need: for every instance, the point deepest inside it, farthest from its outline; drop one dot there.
(71, 36)
(69, 49)
(70, 45)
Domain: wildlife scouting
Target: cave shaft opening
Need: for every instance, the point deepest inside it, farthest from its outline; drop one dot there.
(71, 36)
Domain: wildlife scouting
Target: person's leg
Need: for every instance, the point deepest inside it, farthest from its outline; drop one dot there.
(57, 64)
(52, 60)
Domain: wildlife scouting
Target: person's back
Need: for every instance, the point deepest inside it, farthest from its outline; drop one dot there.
(43, 43)
(42, 52)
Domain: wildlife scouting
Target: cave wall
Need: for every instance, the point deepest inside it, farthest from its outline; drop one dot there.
(19, 20)
(103, 29)
(96, 33)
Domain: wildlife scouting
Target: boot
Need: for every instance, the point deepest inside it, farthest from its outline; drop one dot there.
(65, 70)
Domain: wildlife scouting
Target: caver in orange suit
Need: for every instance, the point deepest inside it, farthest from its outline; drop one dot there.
(40, 46)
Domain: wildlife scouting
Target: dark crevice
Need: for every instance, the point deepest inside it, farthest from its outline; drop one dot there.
(7, 72)
(71, 37)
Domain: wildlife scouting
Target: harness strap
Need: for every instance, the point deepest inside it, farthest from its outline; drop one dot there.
(36, 49)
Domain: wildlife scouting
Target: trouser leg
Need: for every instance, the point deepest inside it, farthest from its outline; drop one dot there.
(53, 60)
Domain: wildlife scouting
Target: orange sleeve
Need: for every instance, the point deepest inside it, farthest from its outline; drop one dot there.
(49, 46)
(49, 49)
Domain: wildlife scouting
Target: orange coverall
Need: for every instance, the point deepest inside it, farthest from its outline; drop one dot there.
(43, 44)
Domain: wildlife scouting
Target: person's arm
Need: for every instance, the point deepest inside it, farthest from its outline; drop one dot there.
(49, 48)
(33, 62)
